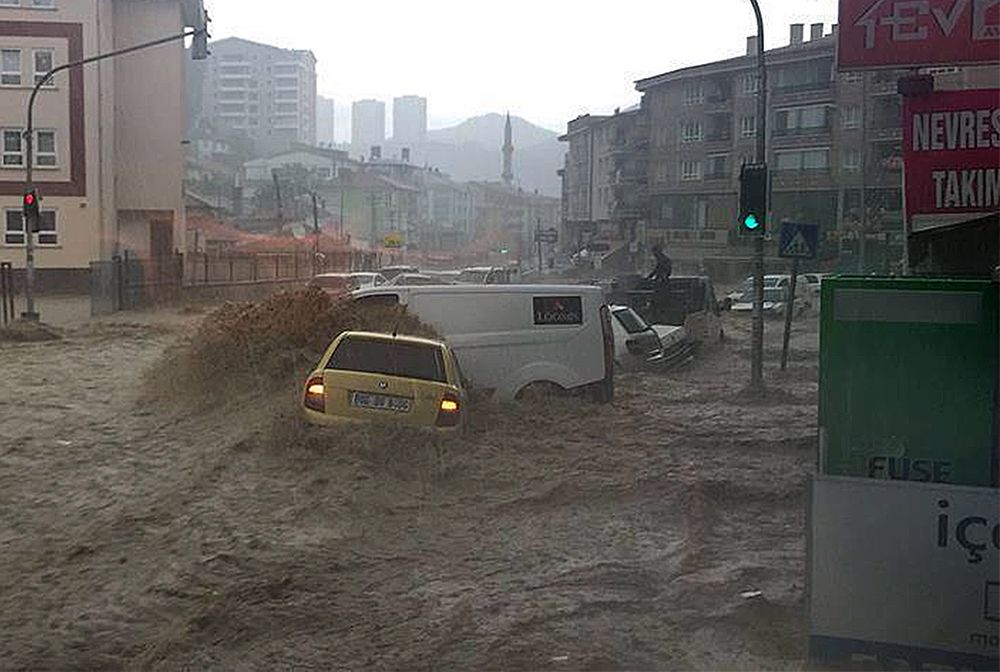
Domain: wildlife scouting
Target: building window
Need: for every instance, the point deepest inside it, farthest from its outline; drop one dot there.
(43, 65)
(10, 67)
(45, 149)
(803, 159)
(748, 127)
(692, 131)
(661, 172)
(749, 84)
(851, 77)
(851, 116)
(13, 150)
(690, 170)
(43, 3)
(13, 235)
(852, 160)
(800, 119)
(10, 3)
(694, 93)
(716, 166)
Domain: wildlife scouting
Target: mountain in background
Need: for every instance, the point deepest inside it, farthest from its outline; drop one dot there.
(472, 151)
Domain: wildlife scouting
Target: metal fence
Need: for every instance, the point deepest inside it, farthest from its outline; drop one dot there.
(127, 283)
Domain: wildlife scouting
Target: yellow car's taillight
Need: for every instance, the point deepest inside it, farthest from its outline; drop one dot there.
(449, 411)
(315, 394)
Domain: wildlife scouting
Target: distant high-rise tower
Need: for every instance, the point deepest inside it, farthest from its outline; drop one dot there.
(367, 125)
(508, 154)
(325, 112)
(409, 120)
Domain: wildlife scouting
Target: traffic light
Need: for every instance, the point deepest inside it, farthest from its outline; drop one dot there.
(30, 208)
(753, 198)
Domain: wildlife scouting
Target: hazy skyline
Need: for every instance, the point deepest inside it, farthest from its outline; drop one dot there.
(546, 62)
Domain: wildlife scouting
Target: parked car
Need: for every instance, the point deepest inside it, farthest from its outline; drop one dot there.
(339, 283)
(375, 377)
(412, 279)
(512, 338)
(487, 275)
(390, 272)
(450, 277)
(774, 302)
(636, 344)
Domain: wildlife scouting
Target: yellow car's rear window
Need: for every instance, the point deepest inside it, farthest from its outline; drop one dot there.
(406, 360)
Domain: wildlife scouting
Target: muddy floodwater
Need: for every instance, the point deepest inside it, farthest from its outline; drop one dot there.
(663, 531)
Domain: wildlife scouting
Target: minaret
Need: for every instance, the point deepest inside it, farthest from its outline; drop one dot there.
(508, 154)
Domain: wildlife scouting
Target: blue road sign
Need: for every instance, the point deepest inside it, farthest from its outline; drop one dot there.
(798, 240)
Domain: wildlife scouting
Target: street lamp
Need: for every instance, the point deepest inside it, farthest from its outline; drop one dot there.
(199, 51)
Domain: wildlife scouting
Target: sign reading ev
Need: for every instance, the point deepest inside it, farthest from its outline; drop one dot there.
(798, 241)
(910, 33)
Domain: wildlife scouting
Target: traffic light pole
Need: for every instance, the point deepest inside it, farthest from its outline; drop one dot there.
(29, 227)
(757, 328)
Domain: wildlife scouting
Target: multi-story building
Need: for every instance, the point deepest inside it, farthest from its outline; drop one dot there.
(604, 179)
(833, 145)
(257, 90)
(367, 125)
(409, 120)
(325, 121)
(109, 162)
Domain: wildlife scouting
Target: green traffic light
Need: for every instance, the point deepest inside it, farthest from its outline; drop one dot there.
(751, 222)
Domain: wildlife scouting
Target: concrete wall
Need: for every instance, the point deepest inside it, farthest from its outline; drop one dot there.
(149, 112)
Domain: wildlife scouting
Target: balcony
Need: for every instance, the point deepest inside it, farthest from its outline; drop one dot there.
(800, 131)
(885, 133)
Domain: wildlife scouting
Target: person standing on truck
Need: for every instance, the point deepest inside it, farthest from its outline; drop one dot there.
(661, 273)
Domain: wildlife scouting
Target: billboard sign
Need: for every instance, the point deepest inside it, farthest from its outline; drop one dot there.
(910, 33)
(909, 571)
(951, 140)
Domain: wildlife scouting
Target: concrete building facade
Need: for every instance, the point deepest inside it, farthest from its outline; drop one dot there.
(367, 125)
(325, 121)
(409, 120)
(255, 90)
(833, 146)
(109, 161)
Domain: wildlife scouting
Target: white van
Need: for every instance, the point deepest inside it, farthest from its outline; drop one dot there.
(507, 337)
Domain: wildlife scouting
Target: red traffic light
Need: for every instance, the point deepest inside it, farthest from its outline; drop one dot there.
(29, 199)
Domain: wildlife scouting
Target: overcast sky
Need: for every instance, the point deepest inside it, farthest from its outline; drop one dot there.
(545, 60)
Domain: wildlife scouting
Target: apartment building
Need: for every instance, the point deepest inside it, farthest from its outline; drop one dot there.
(255, 90)
(833, 144)
(409, 120)
(367, 125)
(604, 178)
(109, 162)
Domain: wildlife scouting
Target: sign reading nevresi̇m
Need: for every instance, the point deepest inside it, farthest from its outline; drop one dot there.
(951, 145)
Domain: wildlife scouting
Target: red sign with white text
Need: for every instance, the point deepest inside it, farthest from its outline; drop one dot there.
(910, 33)
(951, 154)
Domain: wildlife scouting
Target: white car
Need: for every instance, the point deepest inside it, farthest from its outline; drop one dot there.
(774, 302)
(637, 346)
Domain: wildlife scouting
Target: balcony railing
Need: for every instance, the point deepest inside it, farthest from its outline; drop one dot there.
(809, 130)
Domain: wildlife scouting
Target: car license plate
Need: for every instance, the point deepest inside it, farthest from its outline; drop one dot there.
(380, 402)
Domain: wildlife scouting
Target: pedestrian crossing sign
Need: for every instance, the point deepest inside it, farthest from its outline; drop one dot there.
(798, 240)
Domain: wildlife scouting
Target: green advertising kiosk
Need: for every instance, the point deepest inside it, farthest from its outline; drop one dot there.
(908, 379)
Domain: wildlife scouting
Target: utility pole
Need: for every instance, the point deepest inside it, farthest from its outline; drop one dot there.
(277, 198)
(538, 241)
(757, 329)
(315, 234)
(372, 200)
(199, 51)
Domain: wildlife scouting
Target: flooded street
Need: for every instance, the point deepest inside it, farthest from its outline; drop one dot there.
(665, 530)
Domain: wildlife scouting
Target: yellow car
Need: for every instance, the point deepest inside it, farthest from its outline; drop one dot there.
(366, 376)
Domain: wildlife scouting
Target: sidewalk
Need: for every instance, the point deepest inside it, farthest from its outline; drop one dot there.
(59, 310)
